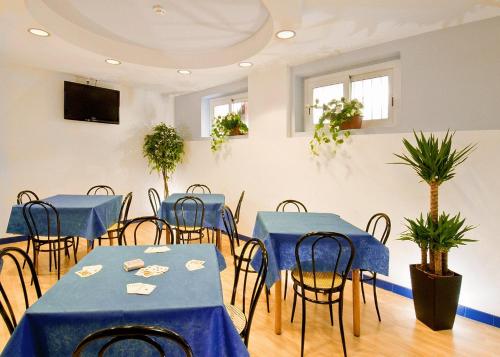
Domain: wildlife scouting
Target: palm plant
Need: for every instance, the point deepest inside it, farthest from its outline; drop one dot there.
(435, 162)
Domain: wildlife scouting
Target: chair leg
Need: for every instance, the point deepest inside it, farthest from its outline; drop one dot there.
(75, 249)
(286, 283)
(341, 323)
(331, 307)
(267, 299)
(50, 256)
(27, 251)
(375, 296)
(303, 335)
(294, 303)
(362, 289)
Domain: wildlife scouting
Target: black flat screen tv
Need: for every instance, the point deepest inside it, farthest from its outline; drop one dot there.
(88, 103)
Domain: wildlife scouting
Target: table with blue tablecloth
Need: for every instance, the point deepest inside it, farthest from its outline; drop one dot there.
(188, 302)
(280, 232)
(213, 204)
(87, 216)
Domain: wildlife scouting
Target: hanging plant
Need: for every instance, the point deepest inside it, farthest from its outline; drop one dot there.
(337, 118)
(223, 127)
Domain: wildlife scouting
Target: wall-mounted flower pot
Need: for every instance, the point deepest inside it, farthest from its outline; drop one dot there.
(355, 123)
(235, 132)
(435, 297)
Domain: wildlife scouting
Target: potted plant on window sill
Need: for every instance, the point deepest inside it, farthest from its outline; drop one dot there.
(436, 289)
(338, 117)
(223, 127)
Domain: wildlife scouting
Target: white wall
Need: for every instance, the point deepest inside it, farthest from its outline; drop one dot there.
(39, 150)
(358, 181)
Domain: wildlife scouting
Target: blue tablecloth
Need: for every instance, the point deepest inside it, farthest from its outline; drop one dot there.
(188, 302)
(213, 206)
(280, 232)
(80, 215)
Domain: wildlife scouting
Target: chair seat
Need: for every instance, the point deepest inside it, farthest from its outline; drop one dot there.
(323, 279)
(237, 316)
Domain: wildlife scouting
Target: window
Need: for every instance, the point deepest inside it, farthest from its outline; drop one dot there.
(373, 86)
(237, 103)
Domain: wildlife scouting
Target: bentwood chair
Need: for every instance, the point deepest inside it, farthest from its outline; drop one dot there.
(16, 256)
(234, 242)
(154, 201)
(238, 208)
(321, 279)
(22, 198)
(150, 226)
(145, 335)
(38, 215)
(198, 186)
(299, 207)
(242, 317)
(101, 190)
(383, 231)
(114, 230)
(189, 212)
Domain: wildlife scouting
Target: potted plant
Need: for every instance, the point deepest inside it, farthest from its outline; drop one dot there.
(164, 149)
(228, 125)
(337, 118)
(436, 289)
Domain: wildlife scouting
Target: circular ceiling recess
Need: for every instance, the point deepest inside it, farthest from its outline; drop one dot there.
(187, 34)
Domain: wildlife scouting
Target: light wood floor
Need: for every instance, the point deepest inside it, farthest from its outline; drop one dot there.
(399, 334)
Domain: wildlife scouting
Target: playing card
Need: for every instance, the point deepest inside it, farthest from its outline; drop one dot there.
(151, 270)
(195, 265)
(140, 288)
(88, 270)
(161, 249)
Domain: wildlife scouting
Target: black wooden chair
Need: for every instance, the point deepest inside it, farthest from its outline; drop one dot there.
(189, 212)
(234, 242)
(238, 208)
(242, 317)
(151, 226)
(383, 231)
(22, 198)
(39, 214)
(101, 190)
(154, 201)
(317, 279)
(16, 255)
(198, 186)
(114, 230)
(148, 335)
(299, 207)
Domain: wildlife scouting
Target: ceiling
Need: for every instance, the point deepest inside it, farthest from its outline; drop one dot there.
(209, 40)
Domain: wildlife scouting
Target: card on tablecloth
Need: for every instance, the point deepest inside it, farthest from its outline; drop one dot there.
(195, 264)
(151, 270)
(161, 249)
(88, 270)
(140, 288)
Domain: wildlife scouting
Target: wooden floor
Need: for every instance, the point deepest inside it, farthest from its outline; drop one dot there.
(399, 334)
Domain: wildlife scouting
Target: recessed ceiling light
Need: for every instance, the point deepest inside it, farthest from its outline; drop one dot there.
(159, 10)
(285, 34)
(183, 71)
(112, 61)
(246, 64)
(39, 32)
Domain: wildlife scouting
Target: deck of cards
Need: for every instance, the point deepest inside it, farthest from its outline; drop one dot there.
(151, 270)
(89, 270)
(195, 265)
(161, 249)
(140, 288)
(133, 264)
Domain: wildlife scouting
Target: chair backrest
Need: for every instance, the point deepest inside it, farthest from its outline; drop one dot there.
(100, 190)
(150, 226)
(231, 230)
(250, 294)
(125, 207)
(238, 208)
(42, 220)
(189, 214)
(318, 252)
(198, 186)
(384, 227)
(135, 333)
(26, 196)
(18, 257)
(154, 200)
(299, 206)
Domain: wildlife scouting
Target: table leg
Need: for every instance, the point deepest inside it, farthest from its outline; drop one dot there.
(356, 305)
(277, 307)
(89, 245)
(217, 238)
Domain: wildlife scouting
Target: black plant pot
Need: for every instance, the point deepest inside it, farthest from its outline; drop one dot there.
(435, 297)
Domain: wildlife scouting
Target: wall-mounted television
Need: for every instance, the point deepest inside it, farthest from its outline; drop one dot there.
(89, 103)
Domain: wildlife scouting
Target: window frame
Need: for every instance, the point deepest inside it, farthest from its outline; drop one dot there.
(390, 69)
(230, 99)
